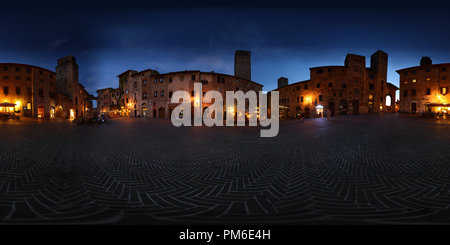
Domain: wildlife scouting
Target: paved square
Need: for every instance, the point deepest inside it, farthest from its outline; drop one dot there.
(366, 169)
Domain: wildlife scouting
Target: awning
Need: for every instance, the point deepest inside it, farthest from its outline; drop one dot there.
(6, 104)
(437, 105)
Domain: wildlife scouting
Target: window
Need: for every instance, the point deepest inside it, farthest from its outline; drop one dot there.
(5, 77)
(406, 73)
(237, 88)
(428, 70)
(237, 80)
(127, 100)
(41, 72)
(17, 78)
(320, 97)
(371, 86)
(428, 79)
(371, 76)
(444, 68)
(405, 82)
(161, 79)
(156, 80)
(356, 70)
(356, 90)
(192, 77)
(318, 85)
(413, 80)
(170, 94)
(126, 91)
(223, 80)
(405, 92)
(18, 68)
(41, 81)
(329, 70)
(301, 99)
(51, 75)
(5, 68)
(319, 71)
(144, 82)
(162, 93)
(28, 70)
(41, 92)
(330, 85)
(428, 91)
(5, 90)
(413, 92)
(356, 81)
(306, 86)
(192, 93)
(444, 78)
(204, 81)
(144, 95)
(298, 99)
(298, 88)
(413, 72)
(17, 90)
(126, 82)
(444, 90)
(344, 85)
(51, 94)
(170, 79)
(182, 78)
(155, 94)
(28, 91)
(370, 97)
(135, 84)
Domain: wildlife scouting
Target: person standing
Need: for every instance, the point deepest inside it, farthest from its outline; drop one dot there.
(328, 114)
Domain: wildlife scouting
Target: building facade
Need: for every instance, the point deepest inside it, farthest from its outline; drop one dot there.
(424, 88)
(349, 89)
(31, 88)
(148, 93)
(39, 92)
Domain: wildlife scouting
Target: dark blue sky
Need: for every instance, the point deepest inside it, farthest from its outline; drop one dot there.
(285, 38)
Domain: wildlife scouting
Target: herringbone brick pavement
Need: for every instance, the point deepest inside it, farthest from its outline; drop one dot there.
(369, 169)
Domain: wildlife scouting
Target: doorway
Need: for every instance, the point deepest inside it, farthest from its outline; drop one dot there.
(356, 107)
(161, 112)
(331, 107)
(307, 113)
(413, 107)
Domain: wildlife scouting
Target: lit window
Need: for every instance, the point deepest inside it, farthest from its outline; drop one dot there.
(414, 81)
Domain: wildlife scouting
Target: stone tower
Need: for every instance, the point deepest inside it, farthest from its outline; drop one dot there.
(67, 82)
(242, 65)
(282, 81)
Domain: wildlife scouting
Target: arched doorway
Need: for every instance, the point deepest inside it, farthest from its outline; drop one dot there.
(307, 113)
(331, 107)
(161, 112)
(389, 103)
(52, 111)
(144, 110)
(41, 111)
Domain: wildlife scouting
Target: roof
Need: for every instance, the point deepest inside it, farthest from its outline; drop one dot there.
(422, 66)
(19, 64)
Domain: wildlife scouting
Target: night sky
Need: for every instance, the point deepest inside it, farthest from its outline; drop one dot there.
(285, 38)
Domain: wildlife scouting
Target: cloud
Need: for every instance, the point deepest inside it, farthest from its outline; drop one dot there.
(57, 43)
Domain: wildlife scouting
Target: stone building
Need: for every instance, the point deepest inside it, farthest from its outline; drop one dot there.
(148, 93)
(349, 89)
(74, 101)
(424, 88)
(31, 88)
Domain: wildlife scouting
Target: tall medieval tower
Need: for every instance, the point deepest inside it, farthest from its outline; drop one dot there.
(242, 65)
(67, 81)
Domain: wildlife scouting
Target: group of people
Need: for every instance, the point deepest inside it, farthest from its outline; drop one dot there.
(94, 120)
(301, 116)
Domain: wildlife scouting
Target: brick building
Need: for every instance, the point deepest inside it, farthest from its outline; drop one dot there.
(31, 88)
(39, 92)
(349, 89)
(148, 93)
(424, 88)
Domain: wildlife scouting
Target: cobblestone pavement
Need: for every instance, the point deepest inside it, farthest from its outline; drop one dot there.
(366, 169)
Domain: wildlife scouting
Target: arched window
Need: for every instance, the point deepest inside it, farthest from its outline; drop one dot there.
(155, 94)
(156, 80)
(144, 82)
(135, 84)
(161, 79)
(162, 93)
